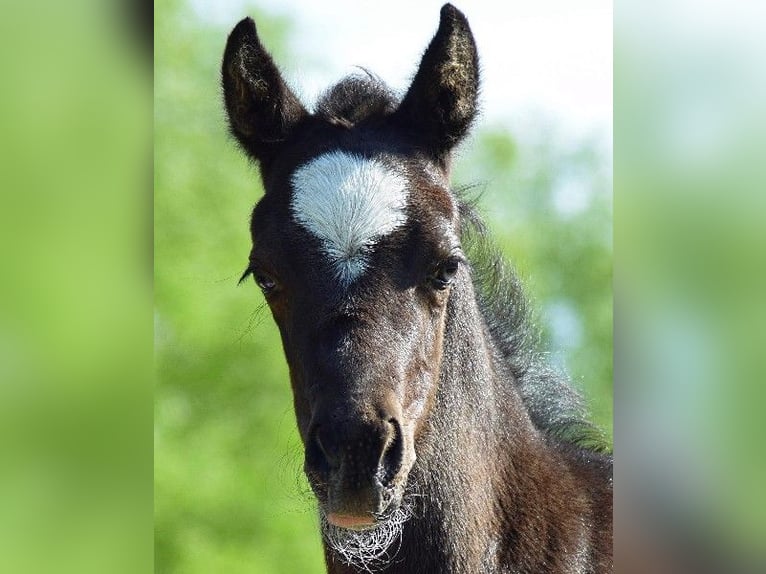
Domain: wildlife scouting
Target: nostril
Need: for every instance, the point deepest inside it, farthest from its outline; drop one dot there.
(393, 453)
(317, 455)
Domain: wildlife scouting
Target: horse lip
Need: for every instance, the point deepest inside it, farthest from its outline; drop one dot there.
(354, 513)
(352, 521)
(351, 515)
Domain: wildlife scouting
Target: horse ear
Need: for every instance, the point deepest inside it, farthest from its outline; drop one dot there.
(441, 103)
(262, 109)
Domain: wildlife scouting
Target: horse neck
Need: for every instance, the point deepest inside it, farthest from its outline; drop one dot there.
(473, 468)
(477, 406)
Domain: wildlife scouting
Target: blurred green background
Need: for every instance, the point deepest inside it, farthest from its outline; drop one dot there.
(76, 313)
(229, 491)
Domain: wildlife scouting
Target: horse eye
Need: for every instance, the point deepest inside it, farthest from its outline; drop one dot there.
(264, 281)
(445, 273)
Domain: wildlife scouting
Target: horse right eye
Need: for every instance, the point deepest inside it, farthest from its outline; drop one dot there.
(266, 283)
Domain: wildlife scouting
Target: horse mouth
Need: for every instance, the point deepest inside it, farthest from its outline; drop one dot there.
(340, 516)
(351, 521)
(366, 540)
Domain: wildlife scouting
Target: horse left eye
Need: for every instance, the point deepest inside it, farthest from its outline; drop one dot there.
(445, 273)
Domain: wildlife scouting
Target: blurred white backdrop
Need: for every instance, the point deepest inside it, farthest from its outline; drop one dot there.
(547, 59)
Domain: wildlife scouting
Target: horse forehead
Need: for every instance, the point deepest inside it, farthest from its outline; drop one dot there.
(349, 203)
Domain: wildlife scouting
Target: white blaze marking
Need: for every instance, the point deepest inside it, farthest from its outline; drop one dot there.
(349, 203)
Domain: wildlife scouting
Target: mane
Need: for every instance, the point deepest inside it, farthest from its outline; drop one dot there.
(356, 98)
(554, 406)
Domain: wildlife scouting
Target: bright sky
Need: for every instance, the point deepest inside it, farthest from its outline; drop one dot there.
(548, 57)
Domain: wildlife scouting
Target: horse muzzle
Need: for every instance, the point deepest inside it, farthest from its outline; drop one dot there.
(358, 469)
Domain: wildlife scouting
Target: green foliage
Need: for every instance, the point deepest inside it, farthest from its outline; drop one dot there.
(75, 294)
(229, 492)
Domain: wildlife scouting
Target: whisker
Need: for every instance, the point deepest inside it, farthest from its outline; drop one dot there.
(371, 550)
(253, 320)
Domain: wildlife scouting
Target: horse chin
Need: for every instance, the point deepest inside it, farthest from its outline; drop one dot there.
(372, 545)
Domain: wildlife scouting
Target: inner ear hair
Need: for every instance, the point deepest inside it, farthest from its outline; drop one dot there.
(261, 108)
(441, 103)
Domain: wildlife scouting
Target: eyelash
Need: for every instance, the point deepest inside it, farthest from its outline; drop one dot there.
(265, 282)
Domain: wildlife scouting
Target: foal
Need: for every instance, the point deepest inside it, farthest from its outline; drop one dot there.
(437, 440)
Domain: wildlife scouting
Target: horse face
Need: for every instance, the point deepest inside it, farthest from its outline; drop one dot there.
(356, 257)
(355, 247)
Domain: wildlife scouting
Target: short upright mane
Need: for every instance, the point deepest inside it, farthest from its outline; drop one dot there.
(356, 98)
